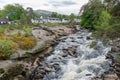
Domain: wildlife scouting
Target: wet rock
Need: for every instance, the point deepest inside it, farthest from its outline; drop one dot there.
(64, 53)
(41, 57)
(19, 77)
(108, 77)
(115, 49)
(56, 66)
(80, 37)
(38, 76)
(88, 38)
(12, 71)
(47, 69)
(115, 57)
(88, 74)
(42, 71)
(36, 62)
(71, 51)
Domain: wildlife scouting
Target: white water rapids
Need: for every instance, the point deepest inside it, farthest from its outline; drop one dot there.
(89, 63)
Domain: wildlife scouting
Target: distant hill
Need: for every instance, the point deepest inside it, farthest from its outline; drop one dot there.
(44, 12)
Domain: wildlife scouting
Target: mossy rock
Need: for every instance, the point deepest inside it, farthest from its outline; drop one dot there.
(12, 72)
(105, 42)
(116, 57)
(93, 44)
(2, 70)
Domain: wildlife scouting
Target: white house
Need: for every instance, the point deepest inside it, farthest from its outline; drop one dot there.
(38, 20)
(3, 21)
(77, 20)
(64, 20)
(52, 20)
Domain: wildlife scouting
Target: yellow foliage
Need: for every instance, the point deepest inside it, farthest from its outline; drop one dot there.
(5, 38)
(9, 44)
(25, 42)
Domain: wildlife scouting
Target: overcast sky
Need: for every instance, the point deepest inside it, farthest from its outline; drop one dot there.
(61, 6)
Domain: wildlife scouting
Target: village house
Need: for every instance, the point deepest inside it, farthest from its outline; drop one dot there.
(64, 20)
(3, 21)
(52, 20)
(37, 20)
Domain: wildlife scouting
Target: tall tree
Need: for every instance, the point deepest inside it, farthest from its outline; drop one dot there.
(12, 11)
(90, 13)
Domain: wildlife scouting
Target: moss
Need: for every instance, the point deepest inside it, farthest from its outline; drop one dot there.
(105, 41)
(12, 72)
(93, 44)
(2, 70)
(118, 56)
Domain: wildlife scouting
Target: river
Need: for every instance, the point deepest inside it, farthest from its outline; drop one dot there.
(73, 59)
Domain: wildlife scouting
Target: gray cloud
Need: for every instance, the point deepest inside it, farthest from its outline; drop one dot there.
(69, 3)
(46, 4)
(62, 3)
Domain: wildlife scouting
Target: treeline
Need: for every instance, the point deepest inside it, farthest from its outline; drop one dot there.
(103, 16)
(17, 13)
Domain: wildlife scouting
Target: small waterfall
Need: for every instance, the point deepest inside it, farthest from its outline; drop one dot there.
(86, 64)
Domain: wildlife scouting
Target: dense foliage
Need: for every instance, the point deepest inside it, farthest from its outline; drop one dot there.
(102, 16)
(17, 13)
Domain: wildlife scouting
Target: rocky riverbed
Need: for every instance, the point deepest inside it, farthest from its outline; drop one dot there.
(73, 59)
(23, 62)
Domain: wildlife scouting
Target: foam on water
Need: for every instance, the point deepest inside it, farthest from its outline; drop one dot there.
(89, 62)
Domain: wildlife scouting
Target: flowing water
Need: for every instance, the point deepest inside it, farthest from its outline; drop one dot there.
(86, 64)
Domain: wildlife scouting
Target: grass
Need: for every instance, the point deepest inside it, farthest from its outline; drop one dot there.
(7, 47)
(27, 31)
(55, 24)
(2, 29)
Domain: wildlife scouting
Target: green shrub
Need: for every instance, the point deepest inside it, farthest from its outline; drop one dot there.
(7, 47)
(36, 24)
(27, 31)
(2, 29)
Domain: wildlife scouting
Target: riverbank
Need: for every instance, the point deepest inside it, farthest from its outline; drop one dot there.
(21, 63)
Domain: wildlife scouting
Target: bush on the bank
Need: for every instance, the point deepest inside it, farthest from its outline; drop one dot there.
(27, 31)
(36, 24)
(7, 47)
(25, 42)
(2, 29)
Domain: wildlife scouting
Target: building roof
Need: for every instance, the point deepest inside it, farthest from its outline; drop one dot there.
(4, 19)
